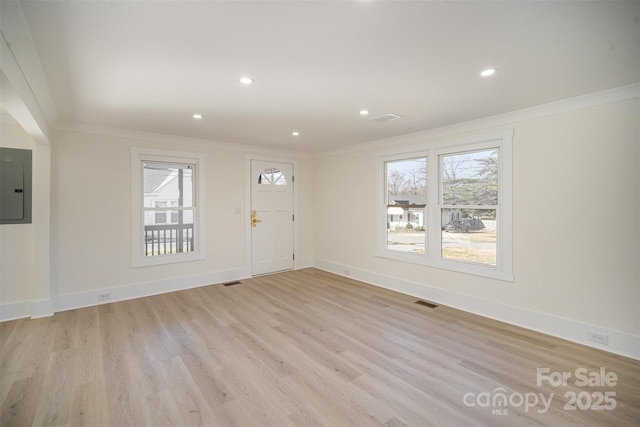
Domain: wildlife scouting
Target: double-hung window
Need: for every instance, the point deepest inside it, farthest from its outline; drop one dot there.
(448, 205)
(167, 207)
(406, 198)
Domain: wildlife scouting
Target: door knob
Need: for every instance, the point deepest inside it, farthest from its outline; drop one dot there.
(254, 219)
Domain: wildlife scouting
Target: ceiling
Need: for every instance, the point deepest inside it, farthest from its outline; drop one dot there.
(150, 65)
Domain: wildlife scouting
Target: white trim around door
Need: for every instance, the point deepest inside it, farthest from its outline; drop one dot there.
(247, 207)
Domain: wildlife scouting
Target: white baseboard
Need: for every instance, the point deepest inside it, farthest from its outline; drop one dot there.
(144, 289)
(15, 310)
(26, 308)
(71, 301)
(42, 308)
(619, 343)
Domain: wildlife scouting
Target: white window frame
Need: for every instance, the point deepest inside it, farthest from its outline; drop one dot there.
(503, 141)
(138, 157)
(386, 252)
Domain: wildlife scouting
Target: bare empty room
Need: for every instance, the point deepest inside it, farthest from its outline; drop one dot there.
(323, 213)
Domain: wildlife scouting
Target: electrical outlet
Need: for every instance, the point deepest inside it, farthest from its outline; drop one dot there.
(104, 296)
(599, 338)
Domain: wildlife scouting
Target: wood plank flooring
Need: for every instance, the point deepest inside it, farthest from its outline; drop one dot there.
(297, 348)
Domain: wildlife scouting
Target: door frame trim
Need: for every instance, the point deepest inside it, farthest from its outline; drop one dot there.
(247, 206)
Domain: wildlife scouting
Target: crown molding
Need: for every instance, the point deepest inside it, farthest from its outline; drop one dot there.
(563, 106)
(127, 134)
(571, 104)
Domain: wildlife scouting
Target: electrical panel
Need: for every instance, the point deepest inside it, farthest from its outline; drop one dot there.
(15, 186)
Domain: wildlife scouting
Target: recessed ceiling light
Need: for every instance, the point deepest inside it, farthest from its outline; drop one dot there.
(364, 112)
(197, 116)
(488, 72)
(246, 80)
(295, 133)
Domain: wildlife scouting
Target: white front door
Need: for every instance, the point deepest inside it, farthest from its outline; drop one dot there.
(271, 217)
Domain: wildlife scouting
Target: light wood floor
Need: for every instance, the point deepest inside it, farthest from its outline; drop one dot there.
(298, 348)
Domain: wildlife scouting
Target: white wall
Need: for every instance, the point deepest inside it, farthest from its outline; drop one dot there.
(17, 242)
(576, 228)
(91, 225)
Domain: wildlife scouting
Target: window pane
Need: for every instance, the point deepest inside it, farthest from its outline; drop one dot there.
(272, 176)
(470, 178)
(407, 180)
(165, 239)
(161, 217)
(406, 200)
(168, 208)
(469, 235)
(406, 229)
(168, 182)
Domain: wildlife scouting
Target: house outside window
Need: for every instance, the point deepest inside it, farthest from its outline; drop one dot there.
(167, 207)
(160, 216)
(448, 205)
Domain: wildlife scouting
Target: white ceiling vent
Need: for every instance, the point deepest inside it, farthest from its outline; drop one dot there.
(386, 118)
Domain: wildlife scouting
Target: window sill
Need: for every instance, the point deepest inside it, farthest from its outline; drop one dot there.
(449, 265)
(165, 259)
